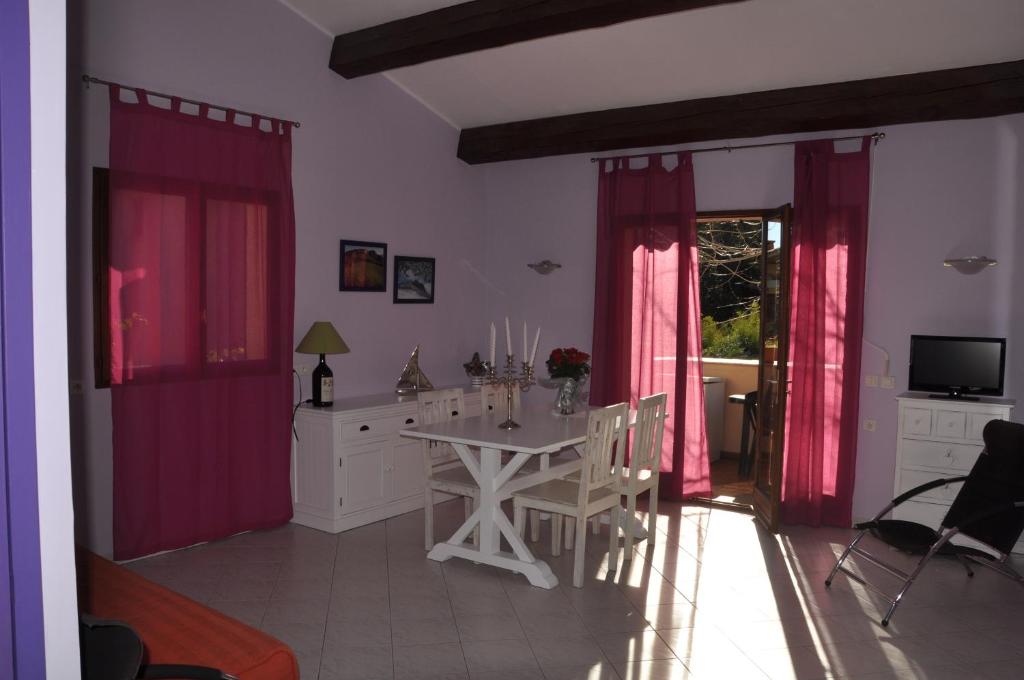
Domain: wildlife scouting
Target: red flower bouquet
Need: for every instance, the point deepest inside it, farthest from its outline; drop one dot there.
(568, 362)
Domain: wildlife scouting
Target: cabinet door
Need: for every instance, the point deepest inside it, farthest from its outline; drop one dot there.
(407, 469)
(312, 481)
(365, 482)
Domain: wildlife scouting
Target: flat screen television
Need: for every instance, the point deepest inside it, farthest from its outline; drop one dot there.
(957, 366)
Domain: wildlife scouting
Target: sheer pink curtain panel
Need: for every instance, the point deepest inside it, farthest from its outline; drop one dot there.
(647, 336)
(830, 227)
(202, 252)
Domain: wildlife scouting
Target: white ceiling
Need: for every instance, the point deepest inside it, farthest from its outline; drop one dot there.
(743, 47)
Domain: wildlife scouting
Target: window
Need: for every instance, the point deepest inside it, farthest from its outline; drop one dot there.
(182, 280)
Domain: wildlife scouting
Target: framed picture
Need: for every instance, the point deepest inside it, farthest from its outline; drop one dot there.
(364, 266)
(414, 280)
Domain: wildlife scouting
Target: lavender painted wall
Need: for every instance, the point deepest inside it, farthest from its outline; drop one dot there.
(370, 163)
(939, 190)
(21, 597)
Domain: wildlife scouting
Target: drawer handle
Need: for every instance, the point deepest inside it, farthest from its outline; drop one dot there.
(949, 453)
(364, 428)
(455, 413)
(490, 408)
(409, 421)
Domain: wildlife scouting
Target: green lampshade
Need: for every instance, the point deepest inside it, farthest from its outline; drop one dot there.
(321, 338)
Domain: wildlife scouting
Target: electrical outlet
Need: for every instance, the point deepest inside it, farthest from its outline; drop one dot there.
(304, 369)
(870, 425)
(77, 387)
(888, 382)
(871, 381)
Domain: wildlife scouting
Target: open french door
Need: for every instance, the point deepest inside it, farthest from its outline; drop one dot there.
(773, 383)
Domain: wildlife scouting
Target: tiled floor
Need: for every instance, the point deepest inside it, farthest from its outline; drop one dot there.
(726, 485)
(715, 598)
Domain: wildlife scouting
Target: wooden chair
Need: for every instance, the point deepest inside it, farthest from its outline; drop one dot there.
(444, 471)
(494, 399)
(642, 473)
(595, 492)
(644, 466)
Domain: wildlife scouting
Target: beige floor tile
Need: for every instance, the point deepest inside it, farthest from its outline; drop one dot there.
(498, 655)
(420, 662)
(627, 647)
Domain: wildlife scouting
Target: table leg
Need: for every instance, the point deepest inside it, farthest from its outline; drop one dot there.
(490, 476)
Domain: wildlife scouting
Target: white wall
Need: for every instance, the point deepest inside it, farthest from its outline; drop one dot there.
(50, 346)
(938, 190)
(369, 163)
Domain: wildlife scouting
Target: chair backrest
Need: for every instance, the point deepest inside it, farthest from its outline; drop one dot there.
(494, 399)
(606, 438)
(648, 436)
(996, 479)
(438, 406)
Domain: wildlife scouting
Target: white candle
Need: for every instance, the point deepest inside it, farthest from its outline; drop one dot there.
(492, 343)
(525, 355)
(508, 338)
(533, 353)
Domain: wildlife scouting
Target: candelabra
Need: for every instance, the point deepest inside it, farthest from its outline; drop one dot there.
(511, 381)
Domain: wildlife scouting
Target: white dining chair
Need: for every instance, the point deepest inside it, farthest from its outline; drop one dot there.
(643, 472)
(444, 471)
(593, 493)
(494, 399)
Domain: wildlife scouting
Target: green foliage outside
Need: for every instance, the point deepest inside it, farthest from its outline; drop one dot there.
(730, 287)
(737, 338)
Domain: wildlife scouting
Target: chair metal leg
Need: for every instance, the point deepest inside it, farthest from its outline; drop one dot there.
(842, 558)
(913, 575)
(428, 517)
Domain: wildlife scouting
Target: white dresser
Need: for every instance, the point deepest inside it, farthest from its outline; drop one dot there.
(350, 467)
(939, 438)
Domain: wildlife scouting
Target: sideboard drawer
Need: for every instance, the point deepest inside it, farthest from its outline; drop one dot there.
(950, 424)
(918, 453)
(375, 427)
(917, 421)
(914, 478)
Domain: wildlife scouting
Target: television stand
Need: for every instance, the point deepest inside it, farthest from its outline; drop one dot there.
(953, 397)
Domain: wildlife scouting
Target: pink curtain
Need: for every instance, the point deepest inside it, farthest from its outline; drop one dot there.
(830, 226)
(201, 270)
(647, 335)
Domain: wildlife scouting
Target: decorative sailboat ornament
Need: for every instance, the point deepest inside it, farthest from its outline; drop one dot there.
(413, 380)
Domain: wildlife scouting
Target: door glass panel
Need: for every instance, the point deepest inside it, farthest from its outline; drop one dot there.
(769, 378)
(772, 377)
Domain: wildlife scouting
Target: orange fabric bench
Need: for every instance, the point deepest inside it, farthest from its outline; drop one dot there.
(177, 630)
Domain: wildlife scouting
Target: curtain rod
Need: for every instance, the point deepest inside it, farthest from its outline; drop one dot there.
(875, 137)
(87, 79)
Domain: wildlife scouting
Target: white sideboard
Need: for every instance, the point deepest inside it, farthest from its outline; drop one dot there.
(939, 438)
(349, 465)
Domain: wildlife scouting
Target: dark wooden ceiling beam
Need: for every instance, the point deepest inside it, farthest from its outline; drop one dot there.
(972, 92)
(482, 24)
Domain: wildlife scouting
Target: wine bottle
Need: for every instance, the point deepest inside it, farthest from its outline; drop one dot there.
(323, 384)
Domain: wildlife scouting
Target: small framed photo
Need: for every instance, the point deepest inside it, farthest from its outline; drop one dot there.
(364, 266)
(414, 280)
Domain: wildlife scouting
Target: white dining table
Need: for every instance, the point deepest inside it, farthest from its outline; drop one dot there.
(540, 432)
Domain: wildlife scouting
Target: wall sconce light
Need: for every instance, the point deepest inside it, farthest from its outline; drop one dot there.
(970, 265)
(544, 266)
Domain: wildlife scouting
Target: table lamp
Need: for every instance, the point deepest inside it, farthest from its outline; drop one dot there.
(322, 339)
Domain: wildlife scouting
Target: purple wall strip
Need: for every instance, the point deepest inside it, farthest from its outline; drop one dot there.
(21, 632)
